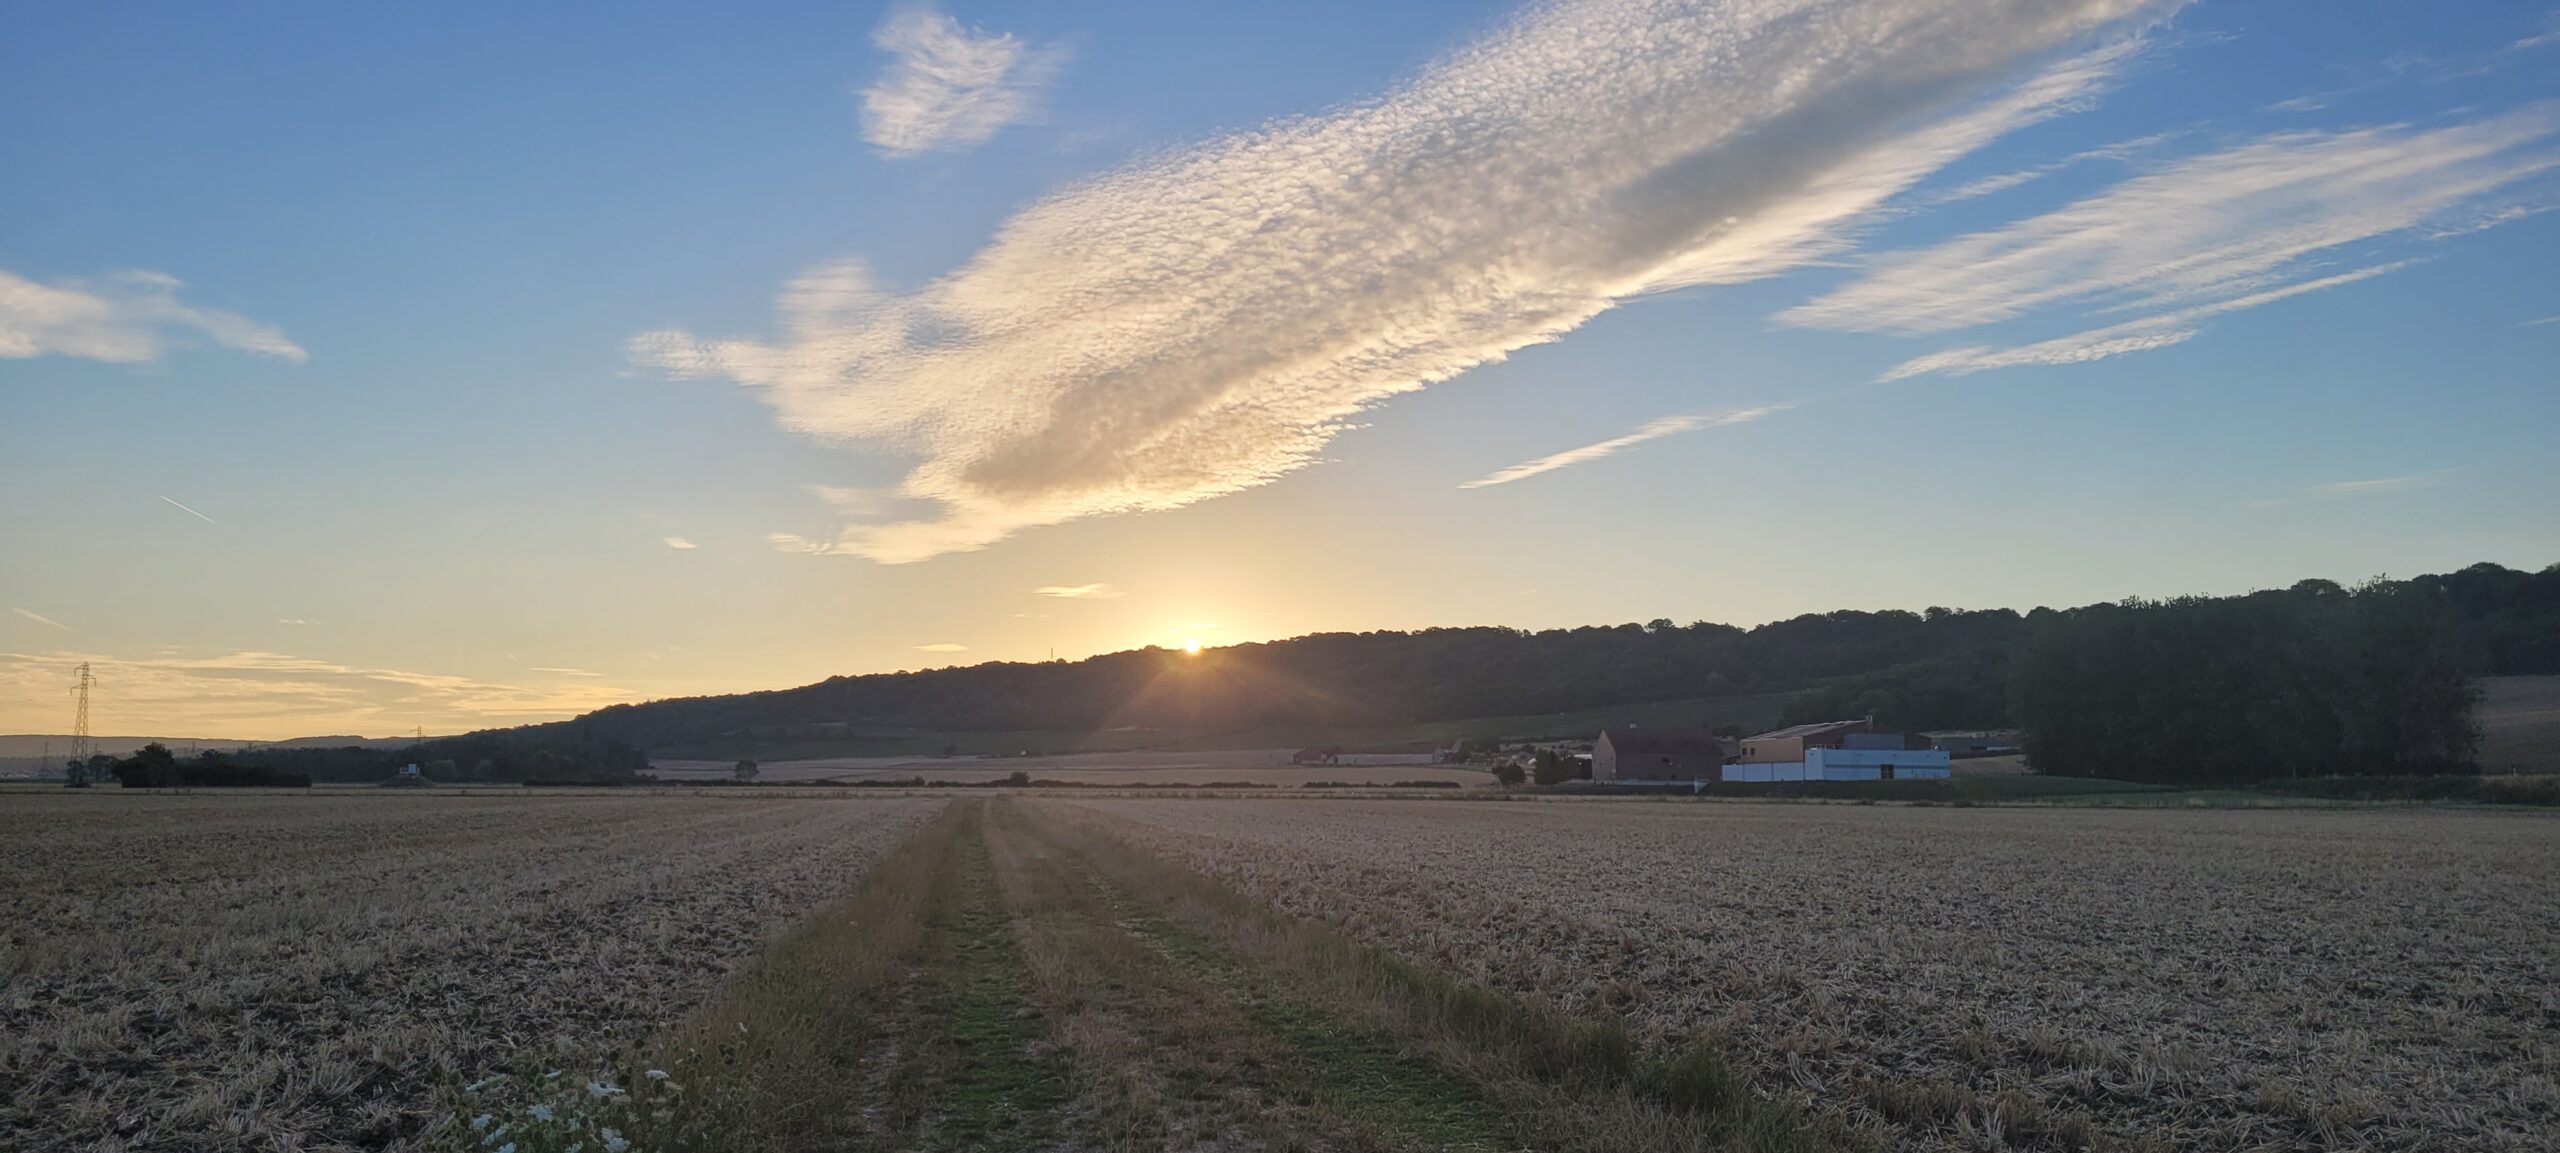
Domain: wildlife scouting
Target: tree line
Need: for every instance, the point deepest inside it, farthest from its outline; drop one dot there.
(491, 757)
(1938, 669)
(2314, 681)
(1328, 679)
(156, 766)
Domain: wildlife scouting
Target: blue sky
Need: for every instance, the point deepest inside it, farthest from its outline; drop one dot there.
(362, 369)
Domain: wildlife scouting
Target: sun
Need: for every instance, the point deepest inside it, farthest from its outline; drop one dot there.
(1192, 646)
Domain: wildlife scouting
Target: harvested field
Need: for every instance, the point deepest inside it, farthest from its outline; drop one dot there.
(1261, 767)
(1984, 978)
(1014, 978)
(296, 971)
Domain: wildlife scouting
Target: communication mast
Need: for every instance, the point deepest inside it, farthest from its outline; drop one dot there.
(80, 719)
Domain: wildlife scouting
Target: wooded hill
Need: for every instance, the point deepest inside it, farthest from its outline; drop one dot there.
(1936, 669)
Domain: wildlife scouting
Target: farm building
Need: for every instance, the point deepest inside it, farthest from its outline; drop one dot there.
(1790, 743)
(1658, 755)
(1975, 743)
(1834, 751)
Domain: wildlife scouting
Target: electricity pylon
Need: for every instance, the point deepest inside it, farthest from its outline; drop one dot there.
(80, 719)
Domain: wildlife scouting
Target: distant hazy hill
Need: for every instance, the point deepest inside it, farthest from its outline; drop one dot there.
(21, 746)
(1939, 669)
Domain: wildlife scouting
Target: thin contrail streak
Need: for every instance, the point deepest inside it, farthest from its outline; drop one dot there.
(195, 514)
(39, 618)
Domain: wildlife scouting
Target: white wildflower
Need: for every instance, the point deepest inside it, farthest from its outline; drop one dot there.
(509, 1147)
(480, 1122)
(553, 1075)
(540, 1112)
(613, 1142)
(478, 1085)
(657, 1074)
(601, 1089)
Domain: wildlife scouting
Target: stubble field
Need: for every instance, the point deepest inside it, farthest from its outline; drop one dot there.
(297, 971)
(318, 971)
(1984, 978)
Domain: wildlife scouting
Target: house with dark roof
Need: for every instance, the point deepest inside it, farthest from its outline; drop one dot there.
(1658, 755)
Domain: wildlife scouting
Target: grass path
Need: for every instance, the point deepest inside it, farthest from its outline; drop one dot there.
(969, 1066)
(1018, 979)
(1179, 1044)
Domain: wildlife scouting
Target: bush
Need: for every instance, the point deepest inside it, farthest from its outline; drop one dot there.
(1509, 772)
(152, 766)
(1553, 768)
(155, 767)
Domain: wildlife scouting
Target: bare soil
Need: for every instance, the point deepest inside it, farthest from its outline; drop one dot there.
(1970, 978)
(302, 970)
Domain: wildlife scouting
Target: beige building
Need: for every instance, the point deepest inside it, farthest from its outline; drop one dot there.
(1789, 743)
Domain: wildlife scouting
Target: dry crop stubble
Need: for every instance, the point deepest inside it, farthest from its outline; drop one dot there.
(1968, 978)
(257, 971)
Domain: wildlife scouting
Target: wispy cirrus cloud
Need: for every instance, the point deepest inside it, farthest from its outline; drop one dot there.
(2003, 181)
(942, 647)
(950, 87)
(1206, 321)
(680, 544)
(39, 618)
(1652, 430)
(2205, 236)
(796, 543)
(2141, 335)
(268, 695)
(127, 318)
(2549, 36)
(1091, 592)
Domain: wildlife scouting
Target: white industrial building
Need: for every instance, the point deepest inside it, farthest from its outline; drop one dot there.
(1847, 765)
(1835, 751)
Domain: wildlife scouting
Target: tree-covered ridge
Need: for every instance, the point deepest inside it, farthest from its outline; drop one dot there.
(1935, 669)
(2315, 681)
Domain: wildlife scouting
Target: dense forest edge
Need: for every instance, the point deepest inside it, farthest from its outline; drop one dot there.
(2315, 679)
(2318, 679)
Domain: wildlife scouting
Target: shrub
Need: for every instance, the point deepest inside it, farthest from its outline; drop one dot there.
(1553, 768)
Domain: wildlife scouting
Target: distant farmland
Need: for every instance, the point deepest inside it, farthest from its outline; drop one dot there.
(1257, 766)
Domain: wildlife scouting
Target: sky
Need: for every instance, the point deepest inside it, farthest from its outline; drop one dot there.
(370, 369)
